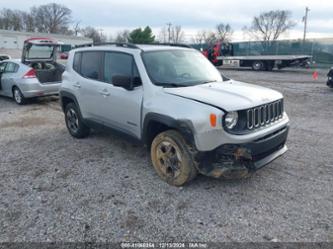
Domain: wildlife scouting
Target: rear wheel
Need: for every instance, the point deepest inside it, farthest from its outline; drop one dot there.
(173, 158)
(18, 96)
(257, 65)
(74, 122)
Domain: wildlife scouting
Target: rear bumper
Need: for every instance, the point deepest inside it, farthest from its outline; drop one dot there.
(239, 160)
(37, 89)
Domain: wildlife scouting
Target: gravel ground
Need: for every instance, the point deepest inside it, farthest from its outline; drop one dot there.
(56, 188)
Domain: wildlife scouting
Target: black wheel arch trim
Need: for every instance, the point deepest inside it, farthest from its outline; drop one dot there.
(66, 94)
(71, 96)
(185, 127)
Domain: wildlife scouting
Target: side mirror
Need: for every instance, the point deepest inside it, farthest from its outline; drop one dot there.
(122, 81)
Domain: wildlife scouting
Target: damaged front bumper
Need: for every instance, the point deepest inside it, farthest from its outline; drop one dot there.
(239, 160)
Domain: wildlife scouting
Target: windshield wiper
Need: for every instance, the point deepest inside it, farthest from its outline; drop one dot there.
(208, 81)
(169, 85)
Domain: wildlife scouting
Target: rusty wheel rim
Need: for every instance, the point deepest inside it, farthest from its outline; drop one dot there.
(169, 159)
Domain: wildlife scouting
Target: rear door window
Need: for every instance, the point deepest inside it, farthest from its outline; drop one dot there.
(91, 64)
(11, 67)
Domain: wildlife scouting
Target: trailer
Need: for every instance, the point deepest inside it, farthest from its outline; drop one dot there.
(222, 54)
(265, 62)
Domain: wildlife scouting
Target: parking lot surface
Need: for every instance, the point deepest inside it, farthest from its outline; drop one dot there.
(103, 188)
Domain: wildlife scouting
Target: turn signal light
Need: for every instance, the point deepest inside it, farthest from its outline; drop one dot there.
(213, 120)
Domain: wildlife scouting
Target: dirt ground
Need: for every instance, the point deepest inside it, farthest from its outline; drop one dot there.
(56, 188)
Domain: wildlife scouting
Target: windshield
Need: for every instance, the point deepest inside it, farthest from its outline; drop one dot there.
(179, 68)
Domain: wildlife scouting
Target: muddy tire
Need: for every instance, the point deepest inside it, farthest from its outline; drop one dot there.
(173, 158)
(74, 122)
(18, 96)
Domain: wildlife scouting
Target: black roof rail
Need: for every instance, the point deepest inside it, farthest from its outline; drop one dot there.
(131, 45)
(173, 45)
(118, 44)
(83, 45)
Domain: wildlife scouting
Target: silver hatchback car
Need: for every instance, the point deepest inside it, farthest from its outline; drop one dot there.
(36, 74)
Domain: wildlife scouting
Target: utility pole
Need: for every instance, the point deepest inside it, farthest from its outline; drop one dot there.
(305, 20)
(169, 24)
(100, 34)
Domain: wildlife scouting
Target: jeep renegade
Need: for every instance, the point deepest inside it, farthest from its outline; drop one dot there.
(171, 98)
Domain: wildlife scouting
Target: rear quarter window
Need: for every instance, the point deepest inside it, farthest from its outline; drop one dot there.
(77, 62)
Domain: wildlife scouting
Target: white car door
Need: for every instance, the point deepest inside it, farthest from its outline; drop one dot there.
(85, 83)
(121, 108)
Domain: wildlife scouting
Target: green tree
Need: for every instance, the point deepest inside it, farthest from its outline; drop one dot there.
(140, 36)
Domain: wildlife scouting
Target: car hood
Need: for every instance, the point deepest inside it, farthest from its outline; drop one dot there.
(228, 95)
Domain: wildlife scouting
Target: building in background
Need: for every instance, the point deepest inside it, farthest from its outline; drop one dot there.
(11, 42)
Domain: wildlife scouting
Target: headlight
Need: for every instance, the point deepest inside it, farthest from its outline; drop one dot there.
(231, 120)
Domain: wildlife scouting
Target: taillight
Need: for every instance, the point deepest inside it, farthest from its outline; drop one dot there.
(30, 74)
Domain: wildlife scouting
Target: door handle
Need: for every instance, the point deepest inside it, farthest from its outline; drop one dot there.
(104, 92)
(77, 85)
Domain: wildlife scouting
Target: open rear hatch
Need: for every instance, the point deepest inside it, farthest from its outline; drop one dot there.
(41, 55)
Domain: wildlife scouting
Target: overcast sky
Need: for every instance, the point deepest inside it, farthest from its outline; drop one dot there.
(193, 15)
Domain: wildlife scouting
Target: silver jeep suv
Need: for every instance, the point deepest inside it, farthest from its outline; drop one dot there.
(171, 98)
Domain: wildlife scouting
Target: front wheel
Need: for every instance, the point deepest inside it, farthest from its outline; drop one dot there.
(173, 158)
(18, 96)
(74, 122)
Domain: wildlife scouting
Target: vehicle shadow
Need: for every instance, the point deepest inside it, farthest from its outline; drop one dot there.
(138, 152)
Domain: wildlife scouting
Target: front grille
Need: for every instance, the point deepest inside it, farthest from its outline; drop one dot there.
(264, 114)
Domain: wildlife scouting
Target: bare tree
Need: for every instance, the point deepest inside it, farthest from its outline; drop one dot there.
(76, 28)
(5, 16)
(177, 34)
(11, 19)
(211, 38)
(163, 35)
(51, 18)
(223, 32)
(173, 34)
(122, 36)
(28, 22)
(93, 33)
(268, 26)
(198, 38)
